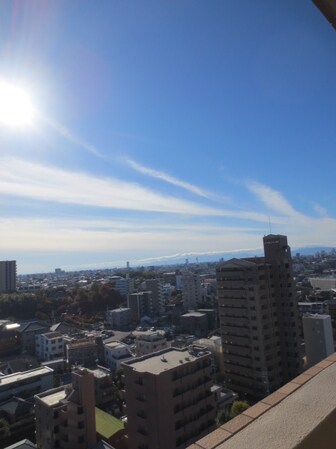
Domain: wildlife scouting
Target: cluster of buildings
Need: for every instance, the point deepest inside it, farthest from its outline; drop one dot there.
(139, 385)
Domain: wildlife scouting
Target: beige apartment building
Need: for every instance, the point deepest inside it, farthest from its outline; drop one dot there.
(168, 398)
(65, 416)
(259, 320)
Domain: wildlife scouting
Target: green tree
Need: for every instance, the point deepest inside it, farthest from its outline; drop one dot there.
(237, 408)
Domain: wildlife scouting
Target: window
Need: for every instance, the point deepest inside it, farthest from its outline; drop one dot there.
(139, 380)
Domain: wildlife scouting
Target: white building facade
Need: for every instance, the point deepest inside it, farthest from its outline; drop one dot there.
(318, 337)
(49, 346)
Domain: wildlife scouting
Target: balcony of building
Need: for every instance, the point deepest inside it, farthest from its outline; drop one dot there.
(235, 341)
(235, 329)
(300, 415)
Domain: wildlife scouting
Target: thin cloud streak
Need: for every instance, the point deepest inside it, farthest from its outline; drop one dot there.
(158, 174)
(40, 182)
(72, 138)
(273, 200)
(44, 183)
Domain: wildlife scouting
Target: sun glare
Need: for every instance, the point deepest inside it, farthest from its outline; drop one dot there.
(16, 108)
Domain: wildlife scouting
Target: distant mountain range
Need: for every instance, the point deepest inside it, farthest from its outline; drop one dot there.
(215, 257)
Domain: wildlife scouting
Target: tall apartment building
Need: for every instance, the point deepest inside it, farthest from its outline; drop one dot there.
(141, 304)
(156, 287)
(259, 320)
(192, 292)
(65, 416)
(168, 398)
(7, 276)
(125, 286)
(318, 336)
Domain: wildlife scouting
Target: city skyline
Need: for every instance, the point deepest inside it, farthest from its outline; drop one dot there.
(165, 129)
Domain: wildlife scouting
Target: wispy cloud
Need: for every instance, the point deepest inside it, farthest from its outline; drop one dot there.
(321, 211)
(273, 199)
(163, 176)
(46, 183)
(72, 138)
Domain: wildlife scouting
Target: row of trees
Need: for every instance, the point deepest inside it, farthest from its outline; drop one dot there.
(48, 303)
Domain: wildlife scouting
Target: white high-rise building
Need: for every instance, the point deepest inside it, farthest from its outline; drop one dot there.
(125, 286)
(192, 291)
(318, 337)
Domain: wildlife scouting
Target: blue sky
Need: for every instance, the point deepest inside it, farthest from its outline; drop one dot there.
(165, 128)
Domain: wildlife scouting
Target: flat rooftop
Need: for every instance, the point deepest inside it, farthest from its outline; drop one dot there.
(30, 374)
(81, 344)
(115, 345)
(100, 373)
(300, 415)
(52, 335)
(53, 397)
(164, 360)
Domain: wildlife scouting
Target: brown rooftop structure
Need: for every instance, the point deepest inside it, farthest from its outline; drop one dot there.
(328, 9)
(300, 415)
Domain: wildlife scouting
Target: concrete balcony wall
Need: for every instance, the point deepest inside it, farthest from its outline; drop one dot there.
(300, 415)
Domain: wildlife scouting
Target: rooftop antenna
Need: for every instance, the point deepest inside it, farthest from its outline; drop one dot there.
(269, 222)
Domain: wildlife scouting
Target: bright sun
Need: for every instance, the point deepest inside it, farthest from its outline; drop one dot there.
(16, 108)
